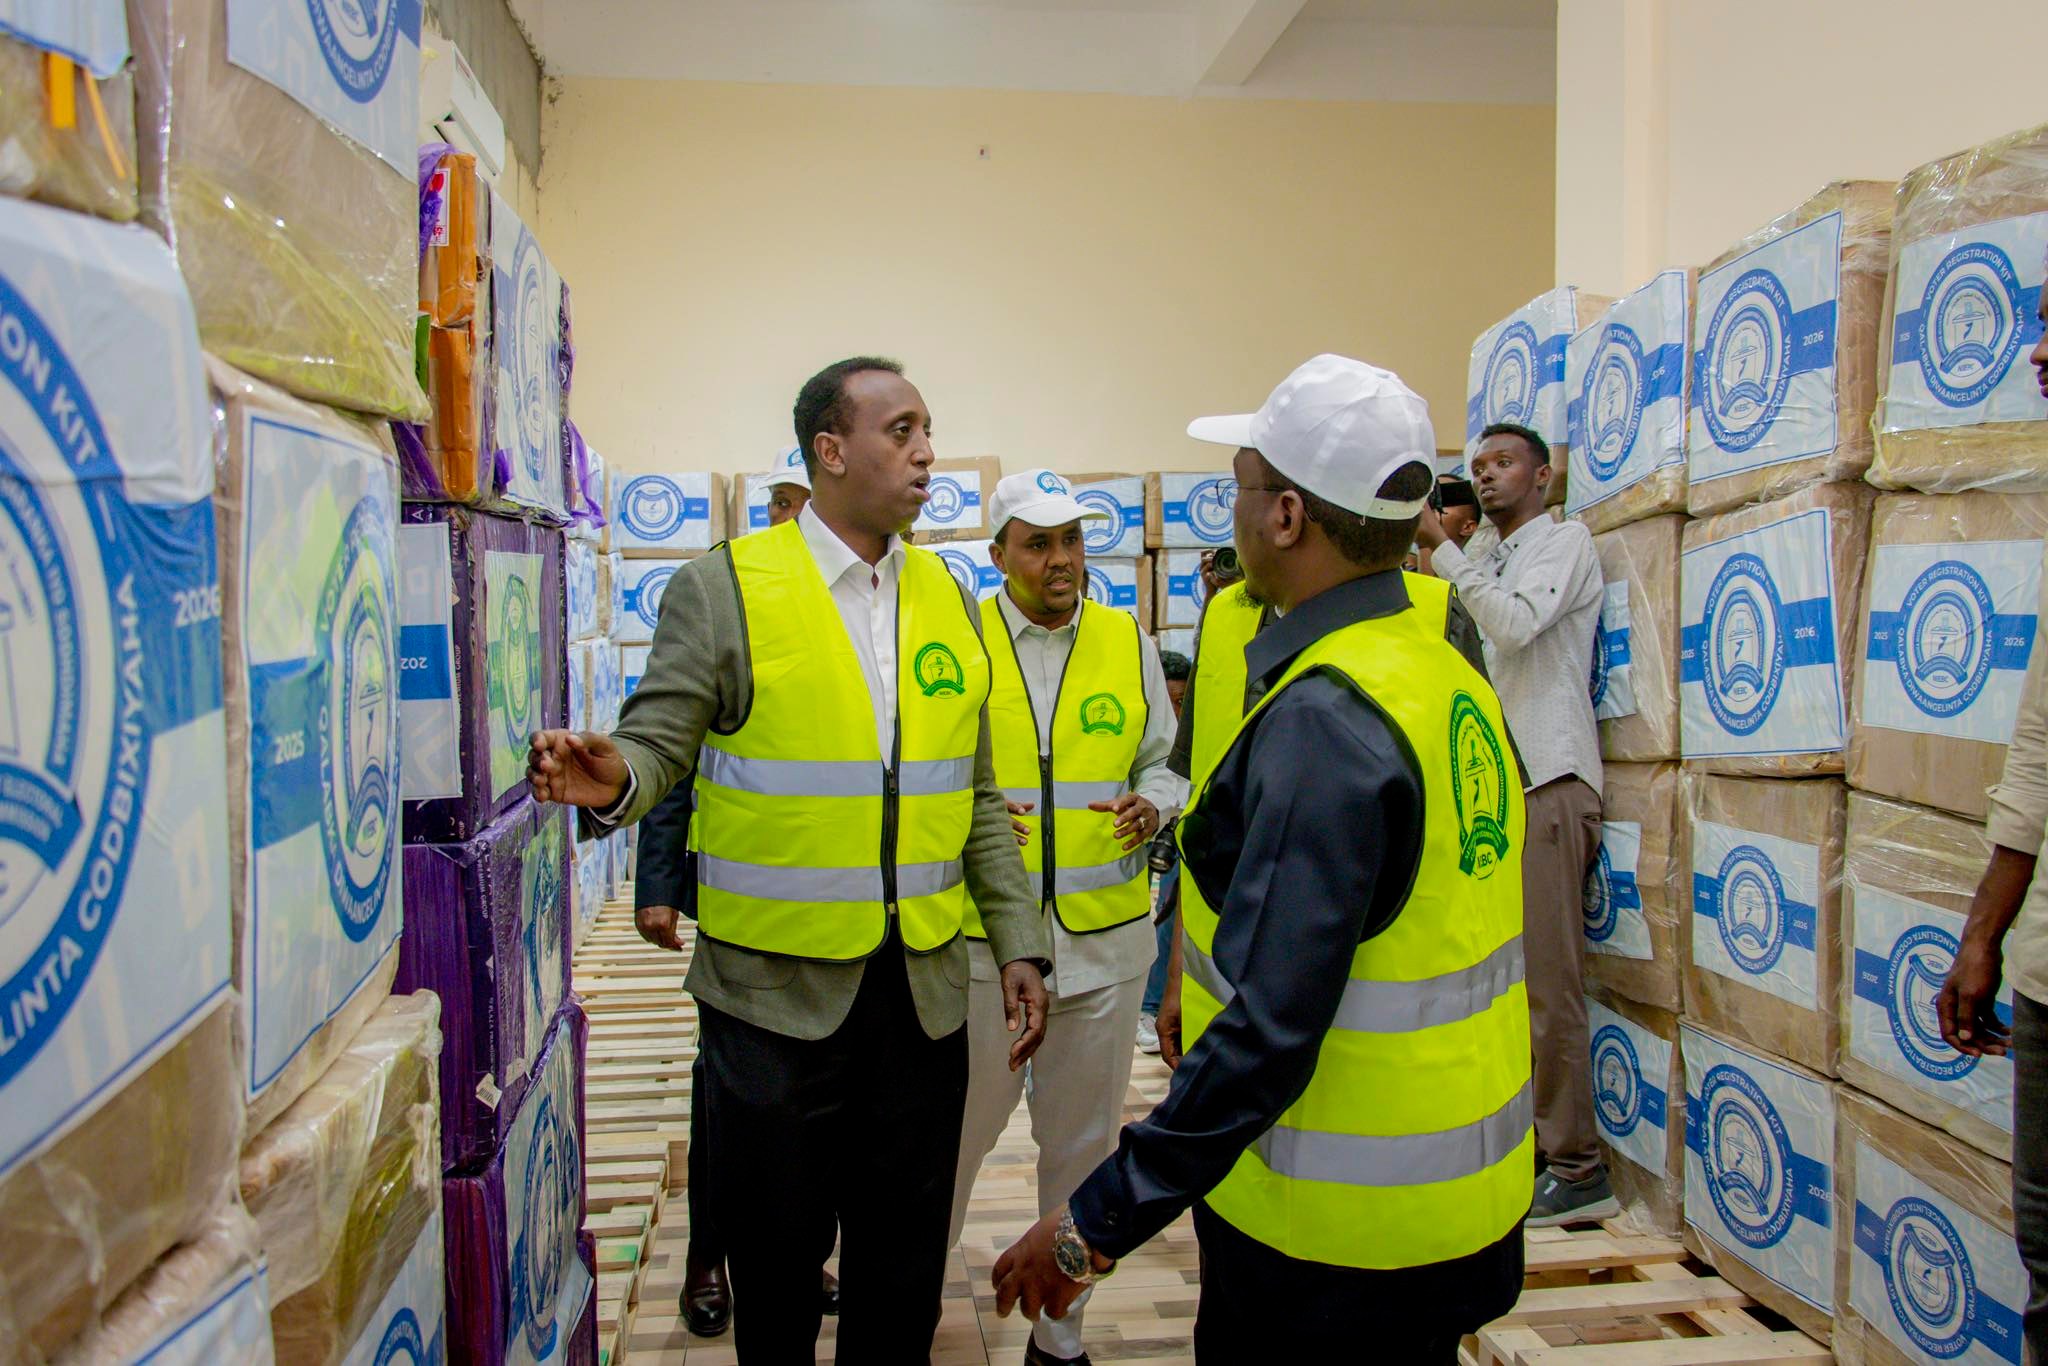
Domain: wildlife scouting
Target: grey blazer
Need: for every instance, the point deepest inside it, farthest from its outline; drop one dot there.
(698, 678)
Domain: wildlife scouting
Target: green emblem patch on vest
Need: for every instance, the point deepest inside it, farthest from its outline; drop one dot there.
(1102, 714)
(937, 670)
(1479, 772)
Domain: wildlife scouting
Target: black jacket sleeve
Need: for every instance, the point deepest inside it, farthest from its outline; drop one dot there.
(663, 875)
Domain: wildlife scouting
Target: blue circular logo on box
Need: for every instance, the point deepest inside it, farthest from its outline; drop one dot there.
(534, 377)
(1611, 399)
(652, 507)
(1511, 381)
(1617, 1082)
(1972, 312)
(1597, 908)
(1752, 922)
(403, 1342)
(653, 584)
(1943, 653)
(1100, 537)
(946, 501)
(546, 1217)
(518, 641)
(355, 633)
(1749, 353)
(1748, 1157)
(358, 38)
(1210, 504)
(1929, 1279)
(1918, 964)
(962, 567)
(1596, 687)
(1099, 587)
(1745, 644)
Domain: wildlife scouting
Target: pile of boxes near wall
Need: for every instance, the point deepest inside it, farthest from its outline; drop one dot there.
(288, 1069)
(1816, 474)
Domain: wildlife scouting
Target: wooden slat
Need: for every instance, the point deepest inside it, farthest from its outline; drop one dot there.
(1764, 1349)
(1625, 1297)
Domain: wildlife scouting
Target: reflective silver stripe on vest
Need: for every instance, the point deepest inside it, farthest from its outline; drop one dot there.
(1378, 1007)
(1094, 877)
(1400, 1159)
(934, 777)
(1069, 796)
(823, 885)
(1202, 968)
(1023, 795)
(832, 778)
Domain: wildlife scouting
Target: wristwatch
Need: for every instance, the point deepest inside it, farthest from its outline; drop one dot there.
(1073, 1256)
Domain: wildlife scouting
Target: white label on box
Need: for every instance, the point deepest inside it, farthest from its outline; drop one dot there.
(1625, 391)
(665, 512)
(93, 33)
(1966, 314)
(430, 716)
(320, 667)
(1764, 354)
(513, 585)
(616, 576)
(1120, 531)
(407, 1327)
(1631, 1069)
(1950, 631)
(607, 686)
(578, 666)
(526, 334)
(543, 893)
(1757, 898)
(230, 1324)
(579, 585)
(1759, 1164)
(1197, 509)
(1903, 951)
(1613, 908)
(955, 501)
(1757, 672)
(1613, 687)
(1940, 1283)
(354, 64)
(1114, 583)
(642, 583)
(971, 567)
(1186, 591)
(543, 1160)
(632, 665)
(1516, 372)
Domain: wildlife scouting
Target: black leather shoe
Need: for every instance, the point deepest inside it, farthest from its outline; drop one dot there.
(707, 1300)
(1036, 1356)
(831, 1301)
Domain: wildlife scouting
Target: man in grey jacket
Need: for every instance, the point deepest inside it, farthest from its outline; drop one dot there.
(836, 1087)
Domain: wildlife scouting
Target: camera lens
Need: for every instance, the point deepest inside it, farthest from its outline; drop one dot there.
(1225, 563)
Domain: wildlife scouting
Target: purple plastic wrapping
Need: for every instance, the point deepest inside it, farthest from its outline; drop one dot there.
(488, 928)
(583, 1342)
(517, 1284)
(495, 615)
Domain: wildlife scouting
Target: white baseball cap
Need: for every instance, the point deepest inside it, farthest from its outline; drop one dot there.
(1040, 498)
(788, 468)
(1339, 428)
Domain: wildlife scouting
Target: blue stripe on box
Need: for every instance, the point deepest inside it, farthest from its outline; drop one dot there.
(1801, 920)
(1180, 585)
(1622, 888)
(1813, 338)
(1909, 335)
(1654, 1105)
(285, 701)
(2012, 639)
(1617, 648)
(696, 509)
(1806, 629)
(423, 674)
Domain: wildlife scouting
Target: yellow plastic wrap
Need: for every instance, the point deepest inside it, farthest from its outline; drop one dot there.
(1644, 1140)
(1923, 1242)
(1637, 702)
(343, 1183)
(88, 166)
(1910, 874)
(1809, 432)
(1968, 235)
(301, 247)
(1634, 895)
(1762, 939)
(207, 1296)
(140, 1174)
(1942, 675)
(1626, 379)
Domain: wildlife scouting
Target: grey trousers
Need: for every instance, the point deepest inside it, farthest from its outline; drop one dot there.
(1564, 838)
(2030, 1163)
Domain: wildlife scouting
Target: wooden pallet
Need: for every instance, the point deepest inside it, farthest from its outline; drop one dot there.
(1607, 1297)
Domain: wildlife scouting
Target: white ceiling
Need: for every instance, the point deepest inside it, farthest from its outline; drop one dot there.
(1490, 51)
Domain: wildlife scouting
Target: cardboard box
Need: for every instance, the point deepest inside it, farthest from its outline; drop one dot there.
(971, 565)
(663, 515)
(1124, 584)
(1122, 497)
(641, 584)
(1634, 895)
(1178, 593)
(958, 510)
(1189, 510)
(1639, 1103)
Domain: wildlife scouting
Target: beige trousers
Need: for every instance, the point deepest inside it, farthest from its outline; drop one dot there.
(1564, 838)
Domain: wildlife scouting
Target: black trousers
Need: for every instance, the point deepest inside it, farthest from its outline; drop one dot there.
(2030, 1163)
(1258, 1304)
(863, 1128)
(707, 1244)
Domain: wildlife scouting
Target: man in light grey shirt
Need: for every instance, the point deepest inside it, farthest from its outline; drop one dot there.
(1534, 588)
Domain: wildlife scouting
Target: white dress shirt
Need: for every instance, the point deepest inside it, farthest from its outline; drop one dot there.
(1088, 962)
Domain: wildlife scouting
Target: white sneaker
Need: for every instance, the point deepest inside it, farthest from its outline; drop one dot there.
(1148, 1035)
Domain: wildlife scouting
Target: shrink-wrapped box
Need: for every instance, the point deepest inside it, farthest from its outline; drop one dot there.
(1179, 593)
(1768, 647)
(590, 517)
(526, 351)
(1516, 372)
(67, 106)
(1759, 1175)
(957, 508)
(1178, 640)
(450, 457)
(481, 642)
(612, 577)
(1189, 511)
(1910, 875)
(487, 928)
(971, 566)
(278, 157)
(662, 516)
(1639, 1101)
(1635, 889)
(455, 234)
(1123, 584)
(607, 686)
(202, 1304)
(641, 584)
(581, 586)
(516, 1284)
(632, 665)
(120, 1096)
(1625, 391)
(345, 1188)
(1785, 349)
(1762, 948)
(580, 665)
(306, 507)
(1120, 498)
(1960, 409)
(1951, 612)
(1924, 1249)
(1635, 651)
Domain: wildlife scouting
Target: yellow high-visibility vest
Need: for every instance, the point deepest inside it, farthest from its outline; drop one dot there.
(1412, 1143)
(1076, 863)
(805, 835)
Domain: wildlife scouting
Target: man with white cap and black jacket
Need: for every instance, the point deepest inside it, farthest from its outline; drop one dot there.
(1351, 1119)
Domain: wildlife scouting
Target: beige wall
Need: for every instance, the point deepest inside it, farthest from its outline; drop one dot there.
(1725, 114)
(1115, 267)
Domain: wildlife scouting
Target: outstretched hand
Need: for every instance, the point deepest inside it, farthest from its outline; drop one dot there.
(575, 768)
(1025, 1005)
(1137, 820)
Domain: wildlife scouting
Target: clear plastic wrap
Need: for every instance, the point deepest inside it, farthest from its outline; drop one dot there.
(1183, 510)
(1925, 1265)
(73, 147)
(663, 515)
(1635, 658)
(1960, 409)
(1635, 891)
(1909, 877)
(1951, 606)
(1639, 1102)
(1761, 946)
(1785, 349)
(452, 456)
(300, 244)
(202, 1304)
(347, 1179)
(1769, 647)
(455, 234)
(1626, 379)
(1516, 373)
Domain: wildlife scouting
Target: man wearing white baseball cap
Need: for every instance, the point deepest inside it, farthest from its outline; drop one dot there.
(1081, 725)
(789, 486)
(1351, 1118)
